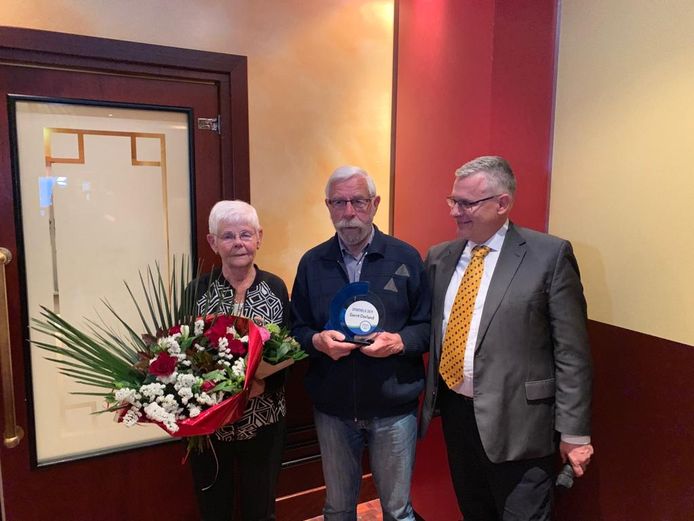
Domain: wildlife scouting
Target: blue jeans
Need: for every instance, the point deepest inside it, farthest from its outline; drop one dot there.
(391, 442)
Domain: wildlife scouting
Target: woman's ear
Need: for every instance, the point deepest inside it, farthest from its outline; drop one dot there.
(212, 241)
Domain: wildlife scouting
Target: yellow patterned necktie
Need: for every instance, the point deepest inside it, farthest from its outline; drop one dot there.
(458, 327)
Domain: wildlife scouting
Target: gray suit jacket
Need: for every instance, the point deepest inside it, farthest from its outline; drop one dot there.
(532, 365)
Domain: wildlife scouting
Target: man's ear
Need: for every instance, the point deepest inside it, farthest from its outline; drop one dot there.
(377, 201)
(505, 203)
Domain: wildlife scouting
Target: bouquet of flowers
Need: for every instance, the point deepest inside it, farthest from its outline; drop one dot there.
(188, 374)
(279, 351)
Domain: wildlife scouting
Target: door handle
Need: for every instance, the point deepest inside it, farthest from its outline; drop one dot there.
(13, 432)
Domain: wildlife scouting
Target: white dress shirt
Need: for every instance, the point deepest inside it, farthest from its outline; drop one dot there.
(495, 242)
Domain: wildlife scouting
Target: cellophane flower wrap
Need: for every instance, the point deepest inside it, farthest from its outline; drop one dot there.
(188, 374)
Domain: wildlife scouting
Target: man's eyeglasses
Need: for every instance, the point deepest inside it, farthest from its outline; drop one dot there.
(231, 237)
(462, 204)
(357, 204)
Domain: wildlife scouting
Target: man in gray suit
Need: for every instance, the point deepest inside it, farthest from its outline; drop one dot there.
(509, 365)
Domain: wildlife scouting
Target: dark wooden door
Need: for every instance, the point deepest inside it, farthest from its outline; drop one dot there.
(147, 482)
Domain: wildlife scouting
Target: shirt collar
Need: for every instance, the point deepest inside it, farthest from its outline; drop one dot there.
(495, 242)
(345, 250)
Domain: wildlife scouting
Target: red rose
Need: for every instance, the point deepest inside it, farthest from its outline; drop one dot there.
(207, 385)
(163, 365)
(237, 347)
(174, 329)
(218, 329)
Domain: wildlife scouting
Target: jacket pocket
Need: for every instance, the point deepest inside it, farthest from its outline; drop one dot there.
(540, 389)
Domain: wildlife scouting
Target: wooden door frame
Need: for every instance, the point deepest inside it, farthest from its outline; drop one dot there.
(30, 47)
(27, 49)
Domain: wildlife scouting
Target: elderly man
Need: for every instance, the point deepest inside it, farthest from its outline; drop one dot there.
(363, 394)
(509, 364)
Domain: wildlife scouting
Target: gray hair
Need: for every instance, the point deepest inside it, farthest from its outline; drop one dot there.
(496, 170)
(344, 172)
(233, 212)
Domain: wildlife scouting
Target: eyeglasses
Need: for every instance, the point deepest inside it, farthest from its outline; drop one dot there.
(462, 204)
(357, 204)
(231, 237)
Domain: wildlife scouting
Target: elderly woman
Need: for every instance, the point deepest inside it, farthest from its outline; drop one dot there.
(254, 442)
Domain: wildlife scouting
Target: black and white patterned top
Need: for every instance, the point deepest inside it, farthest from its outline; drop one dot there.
(267, 298)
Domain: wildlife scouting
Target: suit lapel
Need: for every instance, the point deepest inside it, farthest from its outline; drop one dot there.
(510, 257)
(445, 267)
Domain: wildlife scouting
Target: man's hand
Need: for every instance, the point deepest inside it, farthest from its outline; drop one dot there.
(384, 344)
(329, 342)
(577, 455)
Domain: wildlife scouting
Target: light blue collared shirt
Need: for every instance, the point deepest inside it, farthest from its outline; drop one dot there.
(353, 264)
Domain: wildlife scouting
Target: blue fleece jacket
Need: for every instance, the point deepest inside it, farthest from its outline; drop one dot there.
(358, 386)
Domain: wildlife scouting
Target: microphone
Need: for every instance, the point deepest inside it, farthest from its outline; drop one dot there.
(565, 478)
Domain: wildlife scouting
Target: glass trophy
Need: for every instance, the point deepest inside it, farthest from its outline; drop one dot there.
(356, 312)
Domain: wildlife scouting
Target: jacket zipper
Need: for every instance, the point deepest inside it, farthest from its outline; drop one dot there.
(354, 360)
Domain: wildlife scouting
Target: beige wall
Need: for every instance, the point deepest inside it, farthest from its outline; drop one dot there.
(319, 76)
(622, 180)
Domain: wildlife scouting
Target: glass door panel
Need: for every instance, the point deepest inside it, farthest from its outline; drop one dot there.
(105, 191)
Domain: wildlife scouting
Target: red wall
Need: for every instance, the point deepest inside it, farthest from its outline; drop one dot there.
(473, 78)
(476, 77)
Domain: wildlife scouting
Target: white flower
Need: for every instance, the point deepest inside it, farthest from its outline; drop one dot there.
(185, 331)
(151, 391)
(186, 380)
(199, 327)
(131, 417)
(222, 343)
(205, 399)
(183, 385)
(193, 410)
(239, 367)
(170, 344)
(168, 379)
(158, 413)
(244, 339)
(127, 395)
(169, 403)
(186, 394)
(231, 330)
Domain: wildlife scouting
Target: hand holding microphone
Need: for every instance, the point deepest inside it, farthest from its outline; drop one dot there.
(576, 458)
(565, 478)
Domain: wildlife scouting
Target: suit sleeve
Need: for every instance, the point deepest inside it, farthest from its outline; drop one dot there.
(572, 360)
(415, 334)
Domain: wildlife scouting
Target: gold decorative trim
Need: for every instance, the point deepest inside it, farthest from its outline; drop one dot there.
(50, 160)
